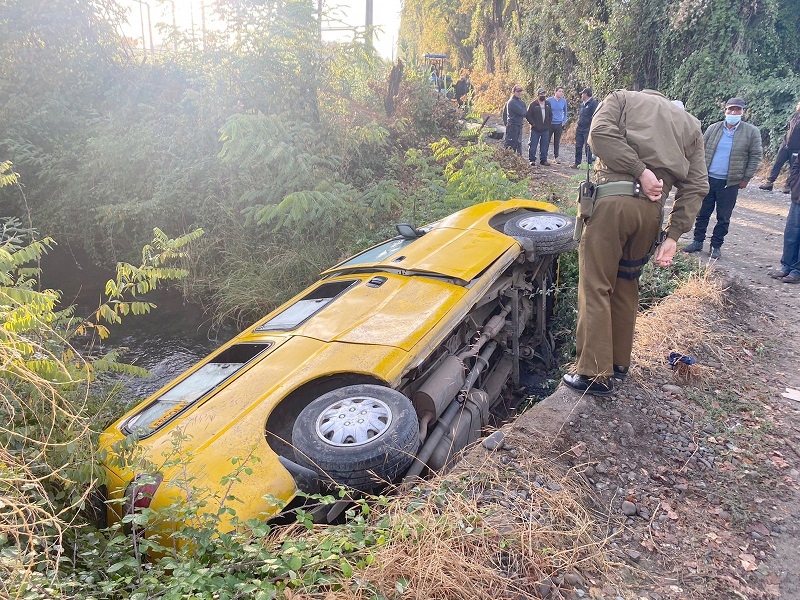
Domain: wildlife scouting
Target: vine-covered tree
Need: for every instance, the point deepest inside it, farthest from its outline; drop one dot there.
(701, 51)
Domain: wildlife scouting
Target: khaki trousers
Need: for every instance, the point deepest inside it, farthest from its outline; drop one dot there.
(622, 228)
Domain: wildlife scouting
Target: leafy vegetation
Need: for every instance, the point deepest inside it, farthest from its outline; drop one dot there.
(281, 152)
(48, 405)
(699, 51)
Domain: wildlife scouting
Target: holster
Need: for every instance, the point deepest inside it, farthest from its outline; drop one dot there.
(587, 194)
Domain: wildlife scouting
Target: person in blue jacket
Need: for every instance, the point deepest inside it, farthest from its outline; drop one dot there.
(514, 113)
(559, 105)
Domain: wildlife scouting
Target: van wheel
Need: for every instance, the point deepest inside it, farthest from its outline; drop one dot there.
(551, 233)
(361, 436)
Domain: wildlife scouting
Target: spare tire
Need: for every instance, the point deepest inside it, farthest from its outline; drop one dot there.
(550, 232)
(361, 436)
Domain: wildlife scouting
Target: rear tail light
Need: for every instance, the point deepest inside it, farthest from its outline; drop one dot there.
(140, 491)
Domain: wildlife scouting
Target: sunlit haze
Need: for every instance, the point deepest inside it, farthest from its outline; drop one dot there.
(341, 13)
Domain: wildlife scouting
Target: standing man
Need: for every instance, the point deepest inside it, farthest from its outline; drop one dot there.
(513, 116)
(733, 151)
(789, 271)
(585, 114)
(658, 146)
(790, 146)
(558, 104)
(539, 115)
(463, 90)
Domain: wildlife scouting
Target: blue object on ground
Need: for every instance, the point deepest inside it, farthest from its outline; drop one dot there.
(676, 357)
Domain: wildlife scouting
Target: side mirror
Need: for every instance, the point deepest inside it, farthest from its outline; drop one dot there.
(408, 231)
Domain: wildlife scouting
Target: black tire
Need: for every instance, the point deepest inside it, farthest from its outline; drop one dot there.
(374, 451)
(551, 233)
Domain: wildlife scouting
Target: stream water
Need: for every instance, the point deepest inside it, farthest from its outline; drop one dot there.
(170, 339)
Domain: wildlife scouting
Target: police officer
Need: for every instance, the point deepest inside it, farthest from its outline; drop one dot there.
(645, 145)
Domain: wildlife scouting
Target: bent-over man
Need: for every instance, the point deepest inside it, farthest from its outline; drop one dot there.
(646, 145)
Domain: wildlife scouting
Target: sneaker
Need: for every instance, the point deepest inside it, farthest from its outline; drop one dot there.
(715, 254)
(777, 273)
(620, 372)
(791, 279)
(544, 163)
(787, 190)
(695, 246)
(558, 162)
(575, 167)
(766, 186)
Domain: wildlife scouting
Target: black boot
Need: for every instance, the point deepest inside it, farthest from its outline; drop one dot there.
(595, 385)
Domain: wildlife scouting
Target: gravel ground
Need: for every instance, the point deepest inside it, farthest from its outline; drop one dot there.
(697, 485)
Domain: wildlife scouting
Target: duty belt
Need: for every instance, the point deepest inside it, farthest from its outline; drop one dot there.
(619, 188)
(630, 269)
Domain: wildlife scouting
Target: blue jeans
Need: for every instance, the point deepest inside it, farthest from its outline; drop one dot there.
(581, 141)
(542, 140)
(790, 261)
(725, 199)
(514, 137)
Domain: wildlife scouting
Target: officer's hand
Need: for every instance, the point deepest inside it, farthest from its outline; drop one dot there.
(651, 185)
(665, 253)
(744, 184)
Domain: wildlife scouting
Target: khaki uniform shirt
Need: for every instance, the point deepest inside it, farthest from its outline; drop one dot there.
(632, 131)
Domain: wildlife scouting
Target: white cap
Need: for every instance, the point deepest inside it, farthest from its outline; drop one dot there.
(679, 104)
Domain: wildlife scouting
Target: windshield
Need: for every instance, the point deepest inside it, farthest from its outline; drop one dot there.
(378, 253)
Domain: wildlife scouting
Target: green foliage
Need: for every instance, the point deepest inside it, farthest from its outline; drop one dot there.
(701, 52)
(455, 177)
(7, 176)
(46, 403)
(655, 284)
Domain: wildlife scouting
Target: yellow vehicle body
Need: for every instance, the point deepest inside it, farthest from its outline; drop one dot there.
(391, 308)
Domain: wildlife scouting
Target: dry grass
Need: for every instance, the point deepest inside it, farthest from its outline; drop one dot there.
(490, 530)
(38, 415)
(691, 322)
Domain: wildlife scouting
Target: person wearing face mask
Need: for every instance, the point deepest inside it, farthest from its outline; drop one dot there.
(733, 152)
(540, 115)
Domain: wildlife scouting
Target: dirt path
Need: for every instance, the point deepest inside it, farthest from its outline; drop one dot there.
(694, 515)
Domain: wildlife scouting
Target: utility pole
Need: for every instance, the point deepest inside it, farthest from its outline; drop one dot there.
(368, 23)
(319, 21)
(203, 21)
(174, 29)
(191, 18)
(149, 25)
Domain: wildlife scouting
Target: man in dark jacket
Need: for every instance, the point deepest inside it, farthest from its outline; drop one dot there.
(585, 114)
(513, 116)
(789, 147)
(733, 152)
(789, 271)
(540, 116)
